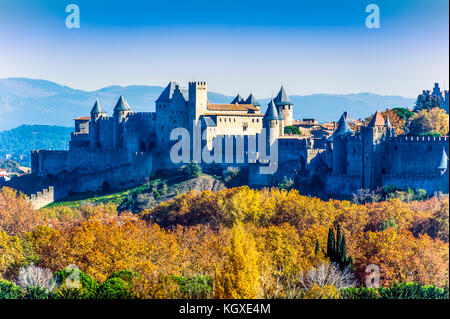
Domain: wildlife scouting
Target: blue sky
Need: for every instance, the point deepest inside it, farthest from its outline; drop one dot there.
(237, 46)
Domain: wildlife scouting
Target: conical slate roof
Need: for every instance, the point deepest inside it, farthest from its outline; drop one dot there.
(238, 100)
(251, 100)
(167, 93)
(282, 98)
(343, 128)
(97, 109)
(272, 112)
(377, 120)
(387, 123)
(444, 159)
(122, 105)
(343, 118)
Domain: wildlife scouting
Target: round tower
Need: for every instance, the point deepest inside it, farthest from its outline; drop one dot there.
(97, 111)
(271, 122)
(284, 106)
(122, 109)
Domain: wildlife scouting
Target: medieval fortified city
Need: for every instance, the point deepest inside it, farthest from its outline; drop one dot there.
(333, 160)
(224, 159)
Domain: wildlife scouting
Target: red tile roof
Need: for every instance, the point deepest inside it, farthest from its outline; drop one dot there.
(232, 107)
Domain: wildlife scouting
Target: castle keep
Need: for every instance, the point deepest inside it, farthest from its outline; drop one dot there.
(122, 150)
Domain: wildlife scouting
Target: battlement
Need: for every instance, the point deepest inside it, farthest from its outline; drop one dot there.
(409, 139)
(411, 176)
(151, 115)
(198, 84)
(51, 152)
(42, 198)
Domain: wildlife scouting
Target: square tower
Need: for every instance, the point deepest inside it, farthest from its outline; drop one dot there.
(198, 100)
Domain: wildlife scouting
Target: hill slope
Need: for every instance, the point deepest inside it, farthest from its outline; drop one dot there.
(29, 101)
(17, 143)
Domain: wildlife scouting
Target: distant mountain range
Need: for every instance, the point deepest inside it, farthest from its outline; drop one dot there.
(30, 101)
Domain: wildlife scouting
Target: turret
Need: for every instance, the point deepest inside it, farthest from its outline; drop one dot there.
(238, 100)
(122, 109)
(97, 111)
(443, 165)
(284, 106)
(337, 143)
(252, 100)
(271, 122)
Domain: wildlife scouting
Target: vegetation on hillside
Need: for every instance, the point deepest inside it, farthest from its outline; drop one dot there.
(238, 243)
(20, 141)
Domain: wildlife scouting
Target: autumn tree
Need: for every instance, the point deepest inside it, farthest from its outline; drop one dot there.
(17, 216)
(239, 276)
(435, 120)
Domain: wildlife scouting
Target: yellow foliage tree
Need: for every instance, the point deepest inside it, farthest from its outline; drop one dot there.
(17, 216)
(11, 254)
(435, 120)
(239, 276)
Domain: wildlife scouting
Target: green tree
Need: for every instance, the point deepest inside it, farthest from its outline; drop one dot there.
(317, 249)
(330, 244)
(194, 169)
(290, 129)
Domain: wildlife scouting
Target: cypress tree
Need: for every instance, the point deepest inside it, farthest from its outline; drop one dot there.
(343, 250)
(338, 243)
(317, 249)
(330, 244)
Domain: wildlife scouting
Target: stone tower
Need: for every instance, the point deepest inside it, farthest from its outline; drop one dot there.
(339, 141)
(198, 100)
(121, 111)
(271, 122)
(96, 113)
(372, 137)
(284, 106)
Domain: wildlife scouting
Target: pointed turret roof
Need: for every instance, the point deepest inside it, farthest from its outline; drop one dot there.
(388, 122)
(377, 120)
(282, 98)
(97, 109)
(252, 100)
(238, 100)
(343, 127)
(122, 105)
(342, 118)
(168, 92)
(443, 162)
(272, 112)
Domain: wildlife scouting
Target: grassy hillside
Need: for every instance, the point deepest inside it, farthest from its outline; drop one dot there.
(145, 196)
(18, 142)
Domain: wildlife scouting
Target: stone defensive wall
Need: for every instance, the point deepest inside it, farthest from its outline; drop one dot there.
(42, 198)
